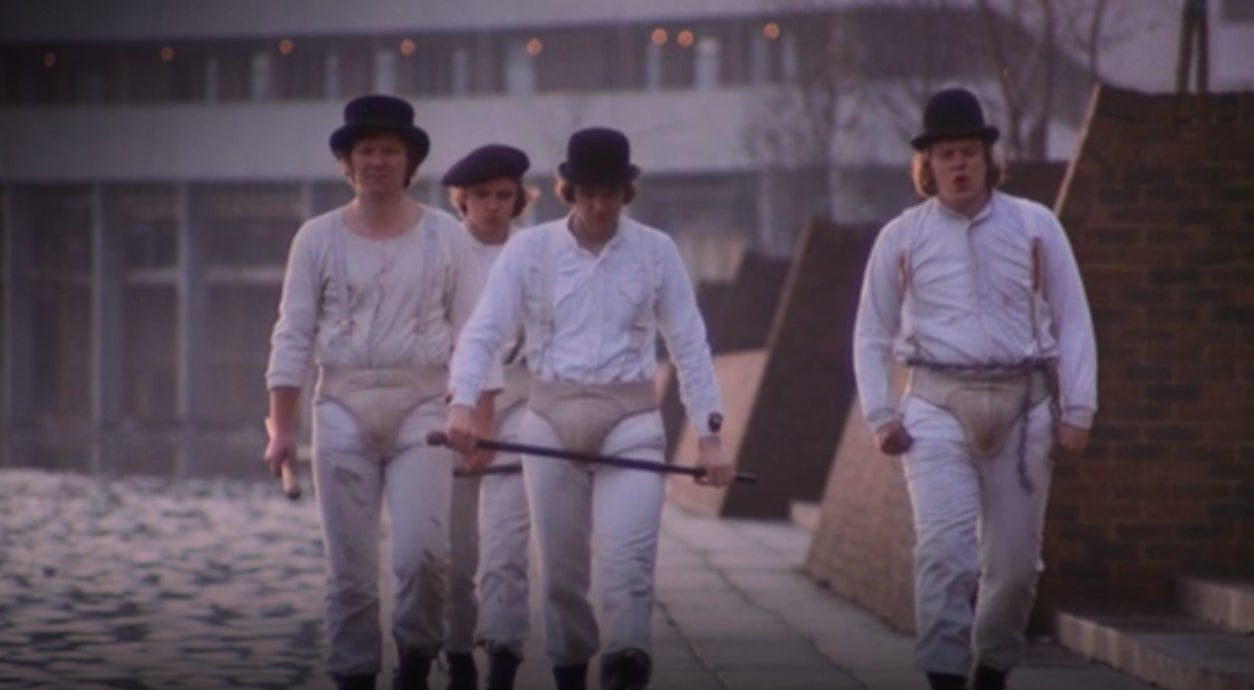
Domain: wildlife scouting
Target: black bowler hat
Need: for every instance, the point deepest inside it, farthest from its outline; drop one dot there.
(953, 114)
(378, 114)
(487, 163)
(598, 157)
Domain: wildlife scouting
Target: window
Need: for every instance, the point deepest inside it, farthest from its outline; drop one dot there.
(520, 74)
(1237, 11)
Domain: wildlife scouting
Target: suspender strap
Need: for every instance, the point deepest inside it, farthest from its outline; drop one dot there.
(360, 333)
(548, 281)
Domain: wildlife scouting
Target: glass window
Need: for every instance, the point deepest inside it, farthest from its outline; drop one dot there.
(670, 56)
(425, 64)
(520, 73)
(232, 61)
(1237, 11)
(709, 51)
(300, 73)
(236, 356)
(60, 229)
(354, 61)
(149, 360)
(244, 224)
(261, 76)
(384, 71)
(580, 59)
(144, 219)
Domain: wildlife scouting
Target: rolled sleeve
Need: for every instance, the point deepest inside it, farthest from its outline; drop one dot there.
(475, 365)
(292, 341)
(684, 331)
(875, 327)
(1073, 327)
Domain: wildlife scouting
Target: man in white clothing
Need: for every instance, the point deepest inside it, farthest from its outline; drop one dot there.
(490, 521)
(979, 295)
(592, 291)
(371, 295)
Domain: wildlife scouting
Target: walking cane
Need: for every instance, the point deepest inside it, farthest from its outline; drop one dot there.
(438, 438)
(291, 485)
(287, 470)
(490, 469)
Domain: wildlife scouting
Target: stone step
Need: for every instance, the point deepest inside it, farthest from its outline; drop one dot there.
(1170, 650)
(1224, 601)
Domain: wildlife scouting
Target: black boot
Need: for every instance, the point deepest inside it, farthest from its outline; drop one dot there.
(989, 678)
(502, 667)
(947, 681)
(411, 672)
(573, 677)
(462, 674)
(629, 669)
(359, 682)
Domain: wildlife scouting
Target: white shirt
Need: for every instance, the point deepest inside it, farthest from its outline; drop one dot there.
(596, 334)
(407, 297)
(478, 265)
(969, 300)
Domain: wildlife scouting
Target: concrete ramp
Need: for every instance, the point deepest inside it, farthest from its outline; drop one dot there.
(807, 380)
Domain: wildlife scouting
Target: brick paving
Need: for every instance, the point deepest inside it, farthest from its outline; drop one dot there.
(142, 583)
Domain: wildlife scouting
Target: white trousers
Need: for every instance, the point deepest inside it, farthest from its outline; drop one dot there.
(490, 528)
(974, 522)
(352, 482)
(582, 511)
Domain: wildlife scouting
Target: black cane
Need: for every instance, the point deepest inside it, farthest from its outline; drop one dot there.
(437, 438)
(291, 485)
(490, 469)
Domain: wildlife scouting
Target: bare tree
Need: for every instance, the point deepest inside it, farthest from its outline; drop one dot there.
(1028, 78)
(1059, 34)
(1194, 47)
(815, 65)
(843, 75)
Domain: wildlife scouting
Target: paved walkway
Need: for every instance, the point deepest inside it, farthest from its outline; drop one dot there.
(217, 584)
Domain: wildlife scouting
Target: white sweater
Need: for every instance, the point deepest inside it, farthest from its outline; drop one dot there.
(407, 297)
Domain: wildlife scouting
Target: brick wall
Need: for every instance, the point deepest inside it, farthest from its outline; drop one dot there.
(861, 547)
(1159, 206)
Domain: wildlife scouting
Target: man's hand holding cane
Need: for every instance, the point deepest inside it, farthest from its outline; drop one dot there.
(281, 457)
(461, 434)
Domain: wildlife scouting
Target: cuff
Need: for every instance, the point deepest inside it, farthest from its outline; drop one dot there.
(1079, 417)
(707, 423)
(461, 396)
(278, 380)
(879, 417)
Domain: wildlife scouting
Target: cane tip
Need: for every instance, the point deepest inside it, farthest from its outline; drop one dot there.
(291, 487)
(437, 438)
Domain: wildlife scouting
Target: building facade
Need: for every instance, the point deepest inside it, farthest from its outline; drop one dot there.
(156, 159)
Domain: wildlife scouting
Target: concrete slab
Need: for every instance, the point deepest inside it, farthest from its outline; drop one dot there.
(1167, 649)
(1224, 601)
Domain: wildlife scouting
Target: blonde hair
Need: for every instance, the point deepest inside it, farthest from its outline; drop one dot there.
(523, 196)
(925, 181)
(565, 190)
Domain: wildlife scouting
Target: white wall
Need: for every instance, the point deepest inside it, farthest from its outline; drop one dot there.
(670, 132)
